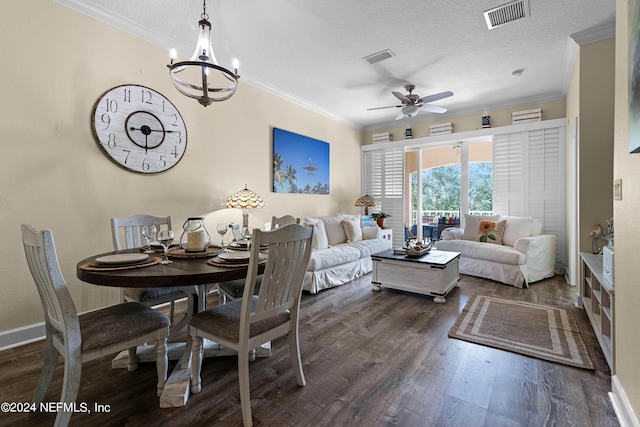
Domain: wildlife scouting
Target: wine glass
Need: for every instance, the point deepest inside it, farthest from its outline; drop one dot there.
(222, 229)
(246, 235)
(165, 237)
(149, 233)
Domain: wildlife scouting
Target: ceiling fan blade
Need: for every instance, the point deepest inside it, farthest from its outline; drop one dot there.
(432, 108)
(380, 108)
(436, 97)
(401, 97)
(400, 115)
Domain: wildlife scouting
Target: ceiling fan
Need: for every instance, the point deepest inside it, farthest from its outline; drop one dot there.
(412, 104)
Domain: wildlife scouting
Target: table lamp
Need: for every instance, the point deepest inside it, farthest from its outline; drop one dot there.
(245, 199)
(366, 201)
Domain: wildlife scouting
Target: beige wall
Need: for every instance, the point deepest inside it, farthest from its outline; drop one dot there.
(595, 148)
(53, 175)
(550, 111)
(627, 243)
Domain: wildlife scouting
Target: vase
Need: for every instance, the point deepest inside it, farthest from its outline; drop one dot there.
(381, 222)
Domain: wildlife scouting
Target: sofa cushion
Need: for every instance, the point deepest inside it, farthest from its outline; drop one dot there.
(479, 250)
(370, 247)
(335, 230)
(472, 222)
(516, 228)
(352, 229)
(490, 232)
(335, 255)
(319, 241)
(536, 227)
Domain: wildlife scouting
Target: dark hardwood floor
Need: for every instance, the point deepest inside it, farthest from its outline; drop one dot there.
(370, 359)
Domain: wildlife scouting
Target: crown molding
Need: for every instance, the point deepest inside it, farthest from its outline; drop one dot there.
(603, 31)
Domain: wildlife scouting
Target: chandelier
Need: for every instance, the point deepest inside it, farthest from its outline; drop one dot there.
(201, 77)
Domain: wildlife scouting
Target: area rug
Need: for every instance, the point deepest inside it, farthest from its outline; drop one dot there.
(548, 333)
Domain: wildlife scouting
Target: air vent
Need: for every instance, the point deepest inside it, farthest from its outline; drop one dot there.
(506, 13)
(379, 56)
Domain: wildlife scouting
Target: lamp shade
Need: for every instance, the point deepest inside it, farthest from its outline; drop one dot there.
(245, 199)
(366, 201)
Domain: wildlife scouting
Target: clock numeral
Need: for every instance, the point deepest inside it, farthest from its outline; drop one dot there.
(163, 105)
(179, 136)
(111, 142)
(146, 96)
(145, 165)
(126, 157)
(174, 152)
(106, 120)
(127, 95)
(111, 105)
(164, 162)
(175, 120)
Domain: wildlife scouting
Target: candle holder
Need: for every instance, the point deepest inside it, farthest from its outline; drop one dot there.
(195, 237)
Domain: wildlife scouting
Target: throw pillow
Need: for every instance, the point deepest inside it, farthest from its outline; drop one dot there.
(335, 231)
(319, 240)
(472, 222)
(517, 227)
(536, 228)
(352, 229)
(491, 231)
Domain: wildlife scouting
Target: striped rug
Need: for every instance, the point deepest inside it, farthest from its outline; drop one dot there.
(549, 333)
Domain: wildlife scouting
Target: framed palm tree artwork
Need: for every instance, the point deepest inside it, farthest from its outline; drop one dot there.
(300, 164)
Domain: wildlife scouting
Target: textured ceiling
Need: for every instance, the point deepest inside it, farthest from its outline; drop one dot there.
(312, 51)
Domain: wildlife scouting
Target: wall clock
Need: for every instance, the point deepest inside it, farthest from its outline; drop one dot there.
(139, 129)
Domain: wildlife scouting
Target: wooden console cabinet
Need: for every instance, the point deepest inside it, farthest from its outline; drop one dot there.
(598, 298)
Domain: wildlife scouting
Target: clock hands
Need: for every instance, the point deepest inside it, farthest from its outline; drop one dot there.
(146, 130)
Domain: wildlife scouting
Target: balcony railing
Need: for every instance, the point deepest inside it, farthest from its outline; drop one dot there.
(433, 215)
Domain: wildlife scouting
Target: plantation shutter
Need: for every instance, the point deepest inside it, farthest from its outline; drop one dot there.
(528, 179)
(382, 177)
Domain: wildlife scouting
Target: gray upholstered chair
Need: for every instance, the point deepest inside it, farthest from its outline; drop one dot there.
(127, 234)
(283, 220)
(248, 322)
(92, 335)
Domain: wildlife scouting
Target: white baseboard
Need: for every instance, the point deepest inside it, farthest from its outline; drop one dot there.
(21, 336)
(621, 405)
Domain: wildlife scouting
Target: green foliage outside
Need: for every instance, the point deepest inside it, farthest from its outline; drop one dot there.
(441, 187)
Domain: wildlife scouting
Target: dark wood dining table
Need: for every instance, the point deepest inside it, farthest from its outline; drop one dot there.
(195, 276)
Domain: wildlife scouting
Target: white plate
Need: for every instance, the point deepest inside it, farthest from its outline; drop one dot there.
(234, 256)
(122, 258)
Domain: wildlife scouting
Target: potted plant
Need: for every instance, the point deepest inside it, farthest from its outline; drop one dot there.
(380, 218)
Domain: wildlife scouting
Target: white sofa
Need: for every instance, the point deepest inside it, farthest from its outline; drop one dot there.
(506, 249)
(341, 251)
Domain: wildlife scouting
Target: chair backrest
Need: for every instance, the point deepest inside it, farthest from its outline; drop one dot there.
(59, 310)
(281, 285)
(283, 220)
(127, 232)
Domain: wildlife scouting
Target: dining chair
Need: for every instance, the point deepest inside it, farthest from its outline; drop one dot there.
(88, 336)
(233, 289)
(283, 220)
(127, 234)
(252, 320)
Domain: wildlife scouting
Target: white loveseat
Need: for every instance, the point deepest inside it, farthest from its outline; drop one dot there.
(506, 249)
(341, 251)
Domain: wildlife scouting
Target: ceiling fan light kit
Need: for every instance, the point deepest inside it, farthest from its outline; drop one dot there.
(412, 104)
(201, 77)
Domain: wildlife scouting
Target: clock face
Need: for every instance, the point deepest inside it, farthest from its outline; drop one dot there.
(139, 129)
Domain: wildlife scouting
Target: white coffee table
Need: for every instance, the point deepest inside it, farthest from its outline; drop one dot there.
(435, 273)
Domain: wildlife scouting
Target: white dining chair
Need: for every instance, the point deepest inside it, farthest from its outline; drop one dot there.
(228, 291)
(127, 234)
(253, 320)
(89, 336)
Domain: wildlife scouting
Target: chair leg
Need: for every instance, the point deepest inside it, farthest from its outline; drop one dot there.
(70, 386)
(133, 359)
(162, 363)
(48, 368)
(243, 378)
(196, 364)
(294, 354)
